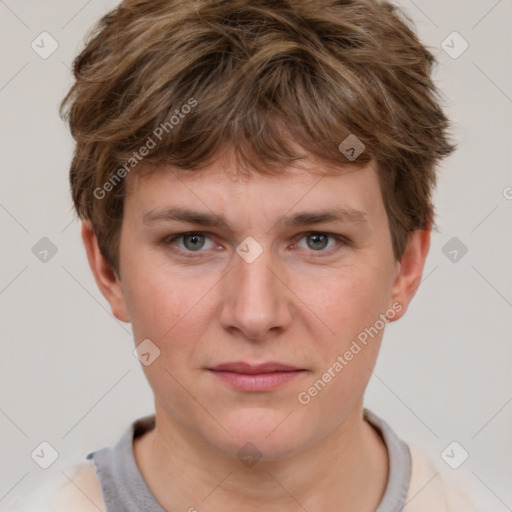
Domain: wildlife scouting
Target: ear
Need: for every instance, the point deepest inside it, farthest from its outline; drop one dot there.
(409, 270)
(106, 279)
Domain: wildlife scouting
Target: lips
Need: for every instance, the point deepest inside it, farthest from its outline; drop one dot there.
(255, 377)
(249, 369)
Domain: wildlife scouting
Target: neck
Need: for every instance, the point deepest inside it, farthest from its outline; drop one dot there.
(345, 471)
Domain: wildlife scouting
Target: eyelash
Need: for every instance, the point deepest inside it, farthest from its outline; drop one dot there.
(341, 241)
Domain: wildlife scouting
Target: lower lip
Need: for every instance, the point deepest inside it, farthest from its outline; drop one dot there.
(257, 382)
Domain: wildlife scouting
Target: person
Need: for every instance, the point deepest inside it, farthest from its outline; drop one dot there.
(255, 182)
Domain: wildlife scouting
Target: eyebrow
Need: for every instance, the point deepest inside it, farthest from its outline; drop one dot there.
(167, 214)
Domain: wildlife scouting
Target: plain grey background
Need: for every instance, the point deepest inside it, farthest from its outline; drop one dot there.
(68, 374)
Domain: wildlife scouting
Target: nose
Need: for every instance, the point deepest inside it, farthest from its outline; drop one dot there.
(256, 301)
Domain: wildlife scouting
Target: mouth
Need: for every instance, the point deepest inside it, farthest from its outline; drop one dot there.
(256, 378)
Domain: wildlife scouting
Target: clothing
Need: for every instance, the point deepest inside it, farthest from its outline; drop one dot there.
(109, 480)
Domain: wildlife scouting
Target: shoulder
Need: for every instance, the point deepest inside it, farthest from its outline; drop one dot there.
(77, 489)
(432, 487)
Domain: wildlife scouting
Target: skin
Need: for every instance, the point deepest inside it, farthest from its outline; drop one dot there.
(300, 303)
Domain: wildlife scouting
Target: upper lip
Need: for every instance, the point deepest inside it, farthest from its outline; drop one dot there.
(243, 367)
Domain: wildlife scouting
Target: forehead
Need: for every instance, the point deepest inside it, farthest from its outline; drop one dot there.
(224, 173)
(220, 196)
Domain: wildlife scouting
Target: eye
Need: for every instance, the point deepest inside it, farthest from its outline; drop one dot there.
(190, 242)
(319, 242)
(198, 242)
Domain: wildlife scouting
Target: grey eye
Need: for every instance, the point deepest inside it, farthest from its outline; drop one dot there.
(193, 241)
(317, 241)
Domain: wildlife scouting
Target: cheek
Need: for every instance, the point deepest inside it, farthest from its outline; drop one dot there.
(163, 303)
(349, 302)
(154, 307)
(173, 310)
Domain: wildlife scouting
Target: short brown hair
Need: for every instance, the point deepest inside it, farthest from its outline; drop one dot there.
(256, 76)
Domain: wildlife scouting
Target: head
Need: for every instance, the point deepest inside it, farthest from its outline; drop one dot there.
(254, 119)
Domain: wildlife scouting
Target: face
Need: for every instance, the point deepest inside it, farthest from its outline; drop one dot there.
(224, 273)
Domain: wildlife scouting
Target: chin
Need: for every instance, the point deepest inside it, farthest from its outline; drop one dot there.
(262, 433)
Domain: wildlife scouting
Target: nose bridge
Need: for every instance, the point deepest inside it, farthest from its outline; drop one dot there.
(256, 281)
(255, 301)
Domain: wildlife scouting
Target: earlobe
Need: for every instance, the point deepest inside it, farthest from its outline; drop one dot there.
(410, 269)
(105, 277)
